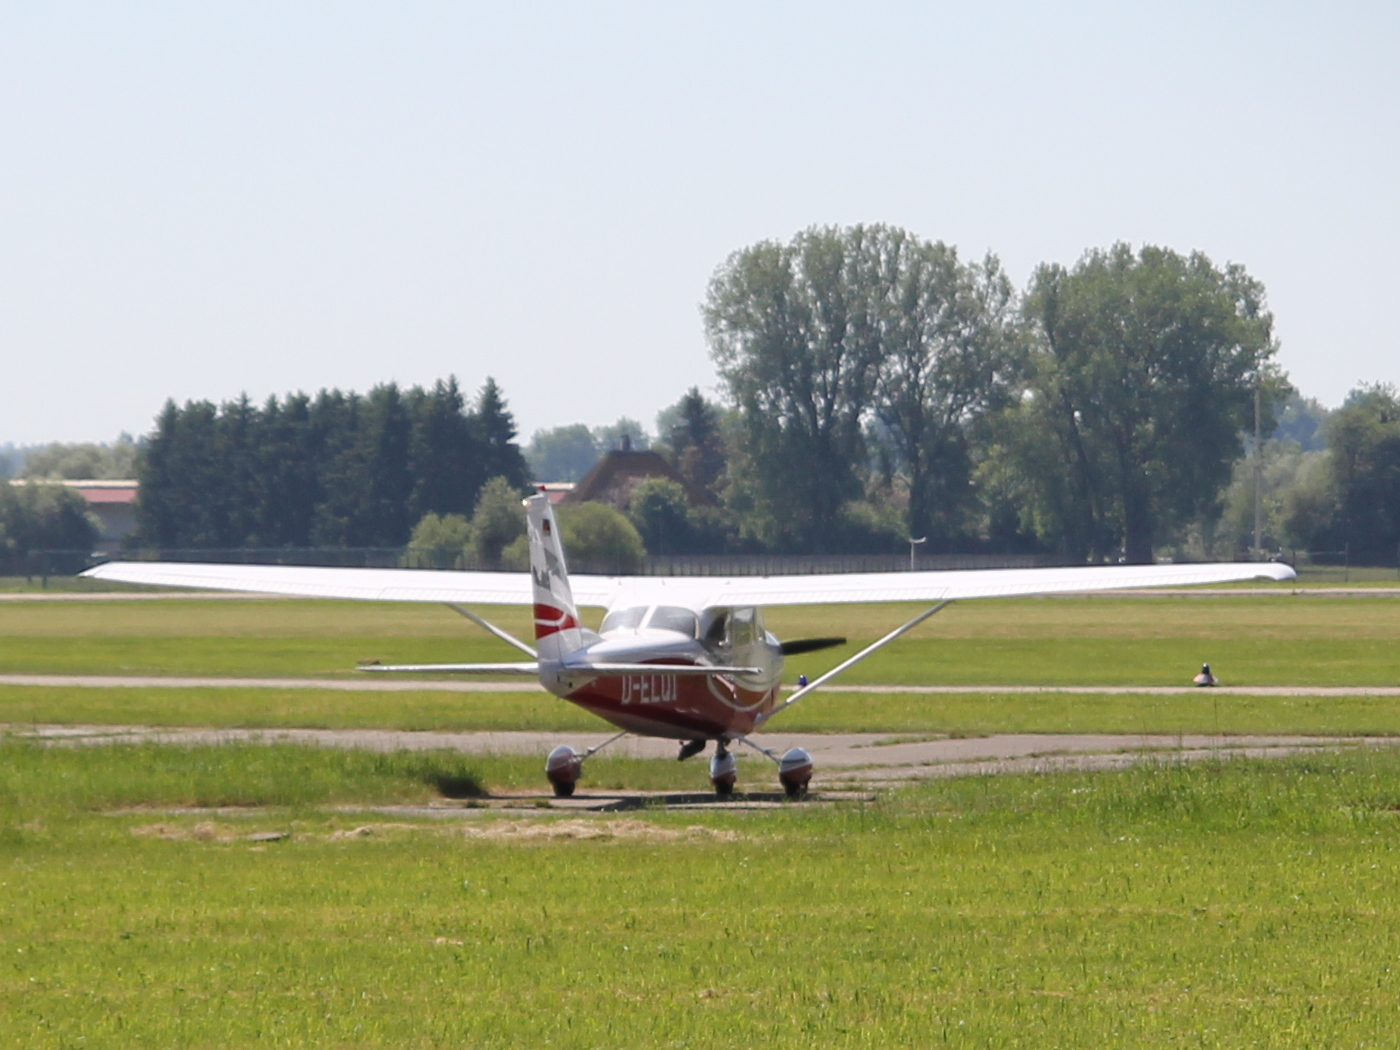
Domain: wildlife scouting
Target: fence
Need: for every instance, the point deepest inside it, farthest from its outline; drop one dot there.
(1320, 566)
(1339, 566)
(45, 563)
(809, 564)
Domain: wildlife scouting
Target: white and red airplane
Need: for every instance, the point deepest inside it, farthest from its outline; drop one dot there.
(681, 657)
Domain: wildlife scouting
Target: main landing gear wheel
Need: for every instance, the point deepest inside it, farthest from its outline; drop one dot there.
(563, 767)
(795, 773)
(724, 771)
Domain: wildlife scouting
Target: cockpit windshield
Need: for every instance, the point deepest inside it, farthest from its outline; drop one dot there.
(673, 618)
(624, 619)
(663, 618)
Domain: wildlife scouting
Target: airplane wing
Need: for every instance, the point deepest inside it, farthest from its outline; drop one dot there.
(382, 585)
(513, 588)
(706, 592)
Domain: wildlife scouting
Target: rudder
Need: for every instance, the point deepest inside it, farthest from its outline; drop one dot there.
(557, 628)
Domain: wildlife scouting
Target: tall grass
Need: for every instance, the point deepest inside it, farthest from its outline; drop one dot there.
(68, 778)
(35, 776)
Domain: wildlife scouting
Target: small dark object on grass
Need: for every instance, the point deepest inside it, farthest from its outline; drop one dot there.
(268, 836)
(1205, 677)
(457, 785)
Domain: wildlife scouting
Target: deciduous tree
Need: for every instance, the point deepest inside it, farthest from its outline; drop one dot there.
(792, 330)
(948, 347)
(1144, 367)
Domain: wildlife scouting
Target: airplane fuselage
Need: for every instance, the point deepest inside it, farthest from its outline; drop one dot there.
(686, 707)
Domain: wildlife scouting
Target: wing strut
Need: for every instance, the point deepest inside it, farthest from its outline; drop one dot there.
(822, 680)
(502, 635)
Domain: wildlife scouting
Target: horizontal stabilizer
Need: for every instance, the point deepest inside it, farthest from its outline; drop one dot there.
(680, 669)
(809, 645)
(524, 667)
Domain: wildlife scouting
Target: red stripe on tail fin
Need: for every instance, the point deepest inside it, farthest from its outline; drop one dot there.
(549, 620)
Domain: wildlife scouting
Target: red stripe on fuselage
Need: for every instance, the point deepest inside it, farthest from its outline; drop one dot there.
(684, 707)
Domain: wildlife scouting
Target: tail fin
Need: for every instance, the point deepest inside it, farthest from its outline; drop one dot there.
(557, 628)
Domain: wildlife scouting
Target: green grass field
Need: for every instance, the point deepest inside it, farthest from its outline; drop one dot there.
(1218, 905)
(1071, 641)
(969, 714)
(1060, 641)
(1222, 905)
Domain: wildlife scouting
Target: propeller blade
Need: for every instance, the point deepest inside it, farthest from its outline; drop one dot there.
(809, 645)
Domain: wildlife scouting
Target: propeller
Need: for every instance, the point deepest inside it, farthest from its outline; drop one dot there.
(809, 645)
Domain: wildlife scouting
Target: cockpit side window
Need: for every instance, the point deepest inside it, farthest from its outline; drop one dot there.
(673, 618)
(716, 626)
(743, 630)
(624, 619)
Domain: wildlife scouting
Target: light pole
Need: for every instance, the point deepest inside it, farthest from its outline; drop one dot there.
(1258, 471)
(912, 543)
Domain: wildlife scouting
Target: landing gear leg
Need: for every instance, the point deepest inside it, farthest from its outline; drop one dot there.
(724, 771)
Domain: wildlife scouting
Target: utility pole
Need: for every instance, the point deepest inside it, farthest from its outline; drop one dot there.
(1258, 470)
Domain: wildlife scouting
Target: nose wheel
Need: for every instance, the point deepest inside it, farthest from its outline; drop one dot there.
(724, 771)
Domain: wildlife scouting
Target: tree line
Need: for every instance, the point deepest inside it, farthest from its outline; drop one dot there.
(1091, 415)
(879, 388)
(875, 388)
(334, 470)
(1329, 481)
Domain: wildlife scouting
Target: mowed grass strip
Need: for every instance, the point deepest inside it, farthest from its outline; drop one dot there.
(1202, 711)
(1224, 904)
(65, 778)
(1048, 641)
(253, 708)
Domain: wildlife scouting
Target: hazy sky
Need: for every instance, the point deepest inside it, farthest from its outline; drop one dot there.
(200, 199)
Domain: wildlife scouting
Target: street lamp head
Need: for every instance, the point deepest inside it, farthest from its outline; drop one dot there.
(912, 542)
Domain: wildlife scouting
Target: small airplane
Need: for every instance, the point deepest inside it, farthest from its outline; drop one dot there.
(686, 658)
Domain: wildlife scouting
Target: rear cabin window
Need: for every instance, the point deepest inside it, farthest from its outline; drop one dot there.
(673, 618)
(624, 619)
